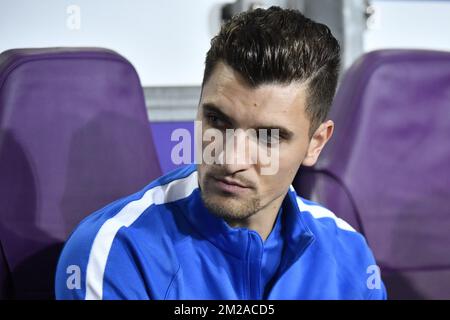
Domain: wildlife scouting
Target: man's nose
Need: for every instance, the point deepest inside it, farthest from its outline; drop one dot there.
(239, 152)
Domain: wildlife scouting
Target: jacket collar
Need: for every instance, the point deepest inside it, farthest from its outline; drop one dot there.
(234, 241)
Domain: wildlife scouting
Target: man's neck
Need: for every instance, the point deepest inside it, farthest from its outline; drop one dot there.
(263, 220)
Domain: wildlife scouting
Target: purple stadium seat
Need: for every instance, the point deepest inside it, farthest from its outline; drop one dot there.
(387, 168)
(74, 136)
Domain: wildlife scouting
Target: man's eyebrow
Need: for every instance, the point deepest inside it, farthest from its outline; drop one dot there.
(211, 107)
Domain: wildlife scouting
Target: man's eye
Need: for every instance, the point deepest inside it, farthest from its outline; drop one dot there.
(269, 138)
(214, 120)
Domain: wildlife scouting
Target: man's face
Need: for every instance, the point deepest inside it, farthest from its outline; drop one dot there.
(238, 189)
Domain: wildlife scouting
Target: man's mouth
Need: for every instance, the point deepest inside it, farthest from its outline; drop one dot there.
(230, 185)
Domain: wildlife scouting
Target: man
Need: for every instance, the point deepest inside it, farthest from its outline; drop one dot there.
(223, 229)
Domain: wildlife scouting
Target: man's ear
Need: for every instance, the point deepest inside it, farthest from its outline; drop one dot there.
(319, 139)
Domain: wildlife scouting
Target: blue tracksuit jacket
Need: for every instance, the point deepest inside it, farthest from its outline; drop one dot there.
(162, 243)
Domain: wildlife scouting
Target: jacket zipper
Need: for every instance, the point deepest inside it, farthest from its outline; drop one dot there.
(253, 277)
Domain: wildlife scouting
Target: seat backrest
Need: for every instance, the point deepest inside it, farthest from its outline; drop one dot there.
(74, 136)
(387, 168)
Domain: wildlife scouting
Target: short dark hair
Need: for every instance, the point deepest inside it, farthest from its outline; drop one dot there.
(278, 45)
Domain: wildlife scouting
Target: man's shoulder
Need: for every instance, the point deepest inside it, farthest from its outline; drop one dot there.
(333, 235)
(100, 228)
(344, 247)
(121, 225)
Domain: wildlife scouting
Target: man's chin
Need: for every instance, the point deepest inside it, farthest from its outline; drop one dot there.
(230, 208)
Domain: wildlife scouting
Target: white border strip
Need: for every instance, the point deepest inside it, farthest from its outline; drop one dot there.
(319, 212)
